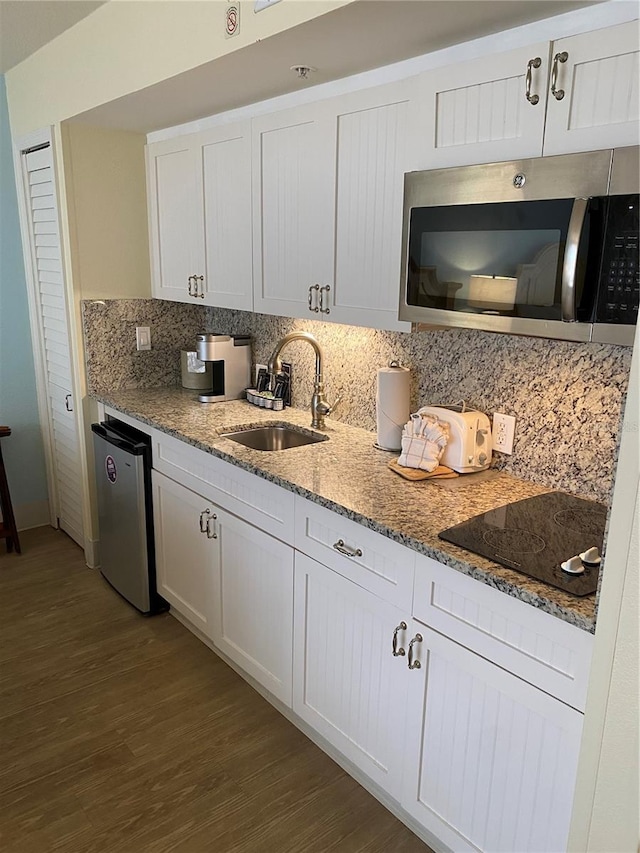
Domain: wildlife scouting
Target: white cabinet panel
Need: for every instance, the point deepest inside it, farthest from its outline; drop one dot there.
(185, 556)
(372, 131)
(347, 683)
(293, 208)
(601, 103)
(253, 613)
(174, 196)
(538, 647)
(226, 170)
(490, 760)
(477, 111)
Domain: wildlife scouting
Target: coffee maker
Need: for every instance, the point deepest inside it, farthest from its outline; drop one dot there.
(230, 360)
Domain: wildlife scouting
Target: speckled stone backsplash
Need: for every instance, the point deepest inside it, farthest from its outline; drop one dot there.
(567, 398)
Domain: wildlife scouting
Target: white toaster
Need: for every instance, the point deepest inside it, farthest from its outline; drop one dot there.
(469, 446)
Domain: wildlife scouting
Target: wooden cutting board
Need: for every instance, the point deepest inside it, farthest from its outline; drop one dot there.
(439, 473)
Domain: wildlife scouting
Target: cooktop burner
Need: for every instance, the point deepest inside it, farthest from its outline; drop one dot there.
(535, 535)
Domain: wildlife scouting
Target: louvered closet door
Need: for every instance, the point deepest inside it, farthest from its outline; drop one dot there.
(47, 268)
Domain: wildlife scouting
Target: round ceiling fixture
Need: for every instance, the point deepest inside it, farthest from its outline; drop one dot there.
(303, 71)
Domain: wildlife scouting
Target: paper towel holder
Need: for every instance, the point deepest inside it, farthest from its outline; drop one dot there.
(394, 364)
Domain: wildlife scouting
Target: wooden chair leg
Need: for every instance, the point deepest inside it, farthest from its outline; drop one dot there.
(8, 529)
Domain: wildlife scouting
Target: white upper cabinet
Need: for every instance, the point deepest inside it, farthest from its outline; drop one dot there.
(371, 130)
(576, 94)
(478, 111)
(601, 102)
(174, 197)
(293, 192)
(199, 196)
(327, 208)
(225, 154)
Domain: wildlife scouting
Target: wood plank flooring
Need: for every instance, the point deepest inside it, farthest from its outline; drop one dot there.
(125, 734)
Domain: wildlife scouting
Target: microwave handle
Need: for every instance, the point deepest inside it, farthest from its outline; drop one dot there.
(570, 264)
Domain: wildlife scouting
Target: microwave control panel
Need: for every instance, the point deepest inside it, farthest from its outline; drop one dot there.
(620, 276)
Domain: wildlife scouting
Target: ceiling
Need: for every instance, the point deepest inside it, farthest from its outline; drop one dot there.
(357, 37)
(27, 25)
(354, 38)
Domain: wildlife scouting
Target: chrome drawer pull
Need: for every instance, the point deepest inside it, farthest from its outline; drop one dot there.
(211, 532)
(204, 512)
(411, 663)
(191, 278)
(196, 279)
(558, 94)
(533, 63)
(67, 404)
(346, 549)
(324, 310)
(398, 652)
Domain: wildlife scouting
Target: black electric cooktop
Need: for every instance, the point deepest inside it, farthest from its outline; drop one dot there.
(535, 535)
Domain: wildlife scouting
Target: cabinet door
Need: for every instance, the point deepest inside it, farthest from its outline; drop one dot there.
(372, 130)
(478, 112)
(253, 594)
(174, 197)
(293, 208)
(347, 683)
(185, 556)
(490, 760)
(601, 103)
(225, 154)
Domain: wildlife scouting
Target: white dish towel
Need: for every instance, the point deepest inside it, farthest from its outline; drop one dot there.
(424, 439)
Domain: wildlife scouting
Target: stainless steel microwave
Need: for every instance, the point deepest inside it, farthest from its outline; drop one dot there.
(545, 247)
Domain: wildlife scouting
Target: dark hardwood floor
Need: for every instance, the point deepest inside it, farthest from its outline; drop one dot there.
(125, 733)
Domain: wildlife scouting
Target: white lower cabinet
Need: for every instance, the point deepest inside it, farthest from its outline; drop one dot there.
(231, 581)
(347, 684)
(253, 603)
(185, 553)
(490, 760)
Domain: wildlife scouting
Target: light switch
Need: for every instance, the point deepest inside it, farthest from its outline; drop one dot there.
(143, 337)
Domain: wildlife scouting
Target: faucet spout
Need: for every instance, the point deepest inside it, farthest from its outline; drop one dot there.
(319, 405)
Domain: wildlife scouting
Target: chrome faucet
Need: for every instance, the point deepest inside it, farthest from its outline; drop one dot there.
(320, 408)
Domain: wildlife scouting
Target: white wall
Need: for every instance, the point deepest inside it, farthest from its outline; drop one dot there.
(125, 46)
(606, 807)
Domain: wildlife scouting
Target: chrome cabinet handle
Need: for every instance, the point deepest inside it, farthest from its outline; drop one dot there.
(346, 549)
(67, 406)
(312, 288)
(558, 94)
(324, 310)
(398, 652)
(204, 512)
(411, 663)
(211, 532)
(533, 63)
(196, 279)
(191, 277)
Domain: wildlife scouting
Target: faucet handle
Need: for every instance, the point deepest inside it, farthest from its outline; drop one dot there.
(326, 408)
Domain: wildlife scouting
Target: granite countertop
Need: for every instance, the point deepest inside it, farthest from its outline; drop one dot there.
(348, 475)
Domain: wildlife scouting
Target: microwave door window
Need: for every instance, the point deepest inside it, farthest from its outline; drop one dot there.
(503, 259)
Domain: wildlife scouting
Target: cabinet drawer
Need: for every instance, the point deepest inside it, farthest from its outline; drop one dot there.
(375, 563)
(540, 648)
(246, 495)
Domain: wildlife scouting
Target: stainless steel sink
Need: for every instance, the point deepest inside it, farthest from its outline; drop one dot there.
(274, 437)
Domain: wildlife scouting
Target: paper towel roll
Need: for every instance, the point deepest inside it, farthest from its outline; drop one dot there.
(392, 405)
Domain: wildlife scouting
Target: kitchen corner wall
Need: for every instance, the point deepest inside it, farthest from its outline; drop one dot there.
(567, 398)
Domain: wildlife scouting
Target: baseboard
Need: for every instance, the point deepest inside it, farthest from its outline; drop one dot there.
(33, 514)
(92, 553)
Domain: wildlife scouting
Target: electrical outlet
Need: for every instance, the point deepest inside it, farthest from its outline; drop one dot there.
(503, 432)
(143, 338)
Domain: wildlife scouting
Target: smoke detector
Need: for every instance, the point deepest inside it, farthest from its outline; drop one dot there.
(303, 71)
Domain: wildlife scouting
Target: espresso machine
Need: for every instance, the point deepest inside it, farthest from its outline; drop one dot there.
(228, 358)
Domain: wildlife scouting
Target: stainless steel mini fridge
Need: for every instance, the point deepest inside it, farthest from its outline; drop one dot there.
(123, 479)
